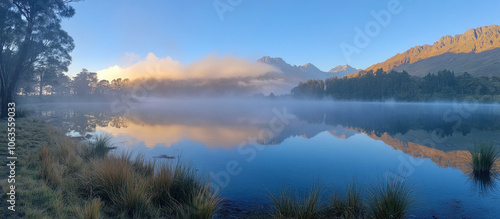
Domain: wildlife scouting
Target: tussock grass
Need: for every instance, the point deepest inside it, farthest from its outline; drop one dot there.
(92, 209)
(185, 184)
(100, 147)
(106, 178)
(483, 159)
(288, 204)
(48, 170)
(143, 166)
(386, 199)
(203, 205)
(482, 162)
(390, 199)
(206, 202)
(349, 205)
(159, 186)
(142, 189)
(134, 200)
(66, 152)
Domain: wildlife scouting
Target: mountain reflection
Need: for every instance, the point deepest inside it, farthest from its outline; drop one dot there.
(443, 133)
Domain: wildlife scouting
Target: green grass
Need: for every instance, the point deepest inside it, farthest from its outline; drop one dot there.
(390, 199)
(483, 159)
(41, 180)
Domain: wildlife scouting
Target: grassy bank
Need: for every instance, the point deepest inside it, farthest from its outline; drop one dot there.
(58, 177)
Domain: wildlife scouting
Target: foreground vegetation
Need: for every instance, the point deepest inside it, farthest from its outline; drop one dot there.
(59, 177)
(384, 199)
(483, 159)
(483, 169)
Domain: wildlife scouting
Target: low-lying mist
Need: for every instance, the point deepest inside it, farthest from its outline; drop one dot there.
(212, 75)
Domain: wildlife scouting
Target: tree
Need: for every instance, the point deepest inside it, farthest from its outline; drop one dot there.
(103, 87)
(48, 72)
(85, 82)
(311, 88)
(30, 36)
(63, 85)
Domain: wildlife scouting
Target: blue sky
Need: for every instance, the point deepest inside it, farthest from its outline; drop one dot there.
(120, 32)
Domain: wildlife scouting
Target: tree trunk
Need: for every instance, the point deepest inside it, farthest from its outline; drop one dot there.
(6, 99)
(10, 85)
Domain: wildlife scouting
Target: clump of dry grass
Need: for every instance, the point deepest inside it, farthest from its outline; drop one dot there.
(288, 204)
(391, 199)
(100, 147)
(133, 186)
(483, 159)
(92, 209)
(203, 205)
(48, 170)
(349, 205)
(106, 178)
(134, 199)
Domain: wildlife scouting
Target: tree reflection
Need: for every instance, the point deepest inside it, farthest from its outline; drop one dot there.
(83, 119)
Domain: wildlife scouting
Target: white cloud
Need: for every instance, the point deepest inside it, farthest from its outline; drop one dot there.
(211, 67)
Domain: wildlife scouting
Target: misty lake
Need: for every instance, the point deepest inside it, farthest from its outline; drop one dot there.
(250, 148)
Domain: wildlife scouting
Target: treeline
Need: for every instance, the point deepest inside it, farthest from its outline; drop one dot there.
(381, 85)
(84, 83)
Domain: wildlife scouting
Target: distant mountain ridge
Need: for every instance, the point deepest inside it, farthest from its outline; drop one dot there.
(461, 53)
(306, 71)
(343, 70)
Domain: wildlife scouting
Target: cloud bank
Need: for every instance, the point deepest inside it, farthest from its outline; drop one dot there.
(211, 75)
(211, 67)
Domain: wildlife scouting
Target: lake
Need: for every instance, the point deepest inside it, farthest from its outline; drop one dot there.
(251, 148)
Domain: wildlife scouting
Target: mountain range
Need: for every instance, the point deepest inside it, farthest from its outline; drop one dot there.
(306, 71)
(476, 51)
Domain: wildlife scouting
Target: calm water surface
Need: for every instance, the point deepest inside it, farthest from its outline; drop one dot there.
(252, 148)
